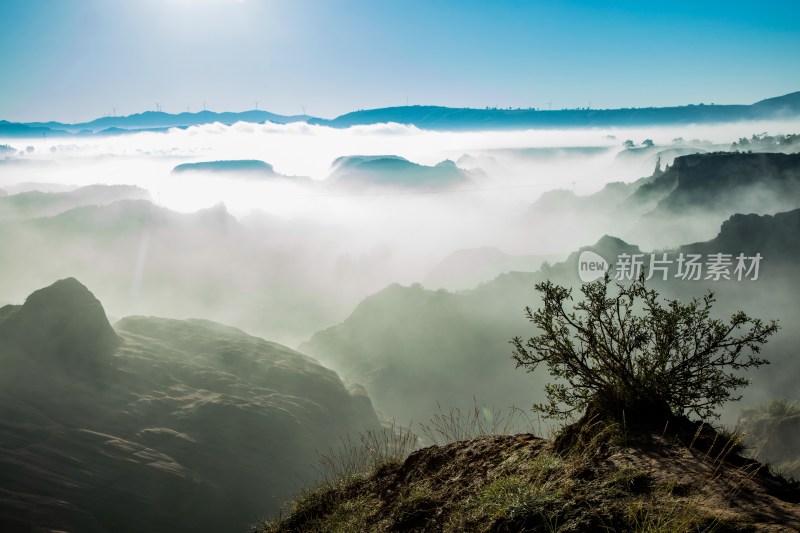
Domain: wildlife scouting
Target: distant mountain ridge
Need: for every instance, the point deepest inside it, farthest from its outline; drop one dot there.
(430, 117)
(160, 119)
(447, 118)
(30, 204)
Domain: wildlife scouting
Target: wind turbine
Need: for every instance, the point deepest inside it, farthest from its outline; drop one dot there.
(158, 107)
(114, 111)
(256, 105)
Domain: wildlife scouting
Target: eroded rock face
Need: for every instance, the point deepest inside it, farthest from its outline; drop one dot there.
(190, 426)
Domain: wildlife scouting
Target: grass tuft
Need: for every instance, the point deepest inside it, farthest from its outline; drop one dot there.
(373, 449)
(458, 425)
(648, 516)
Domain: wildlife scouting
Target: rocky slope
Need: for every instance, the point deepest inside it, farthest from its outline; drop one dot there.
(739, 182)
(705, 188)
(155, 425)
(605, 478)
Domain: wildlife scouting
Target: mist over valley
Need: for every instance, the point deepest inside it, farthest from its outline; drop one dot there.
(274, 267)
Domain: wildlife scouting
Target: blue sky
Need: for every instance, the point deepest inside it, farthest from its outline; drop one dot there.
(73, 60)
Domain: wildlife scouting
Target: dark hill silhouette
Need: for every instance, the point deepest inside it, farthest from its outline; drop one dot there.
(773, 236)
(697, 191)
(63, 323)
(737, 182)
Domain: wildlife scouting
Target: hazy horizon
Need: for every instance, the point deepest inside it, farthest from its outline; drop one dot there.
(117, 113)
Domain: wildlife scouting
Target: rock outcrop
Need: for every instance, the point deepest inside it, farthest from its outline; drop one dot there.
(158, 425)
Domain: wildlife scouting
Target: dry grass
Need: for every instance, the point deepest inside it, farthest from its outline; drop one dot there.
(457, 425)
(596, 475)
(373, 449)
